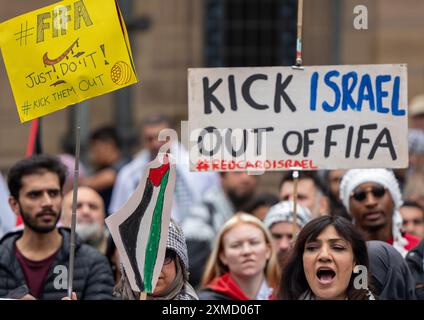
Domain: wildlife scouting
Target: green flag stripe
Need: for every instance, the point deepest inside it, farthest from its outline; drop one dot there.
(154, 236)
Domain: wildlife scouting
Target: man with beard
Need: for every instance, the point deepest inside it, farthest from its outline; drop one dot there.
(279, 222)
(34, 261)
(373, 198)
(90, 217)
(205, 219)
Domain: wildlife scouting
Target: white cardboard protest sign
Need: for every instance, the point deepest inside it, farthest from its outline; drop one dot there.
(140, 228)
(277, 118)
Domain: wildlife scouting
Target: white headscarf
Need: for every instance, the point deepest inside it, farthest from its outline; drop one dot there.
(283, 212)
(386, 178)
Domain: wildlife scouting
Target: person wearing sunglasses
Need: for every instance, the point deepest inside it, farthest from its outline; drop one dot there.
(173, 279)
(373, 198)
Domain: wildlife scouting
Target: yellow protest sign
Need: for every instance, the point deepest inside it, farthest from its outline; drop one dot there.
(65, 53)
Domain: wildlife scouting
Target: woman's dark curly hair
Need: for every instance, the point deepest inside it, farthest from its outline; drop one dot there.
(293, 281)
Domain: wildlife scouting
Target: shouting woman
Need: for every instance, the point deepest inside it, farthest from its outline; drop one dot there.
(322, 263)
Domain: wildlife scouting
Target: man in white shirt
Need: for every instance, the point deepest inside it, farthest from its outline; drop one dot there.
(189, 186)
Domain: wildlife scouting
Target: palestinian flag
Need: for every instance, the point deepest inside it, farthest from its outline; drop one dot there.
(140, 228)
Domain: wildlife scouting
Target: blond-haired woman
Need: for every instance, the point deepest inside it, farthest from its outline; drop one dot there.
(242, 264)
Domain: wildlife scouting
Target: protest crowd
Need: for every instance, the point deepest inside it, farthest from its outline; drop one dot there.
(226, 240)
(344, 221)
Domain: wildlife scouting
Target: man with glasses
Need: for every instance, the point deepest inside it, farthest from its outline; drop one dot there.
(372, 197)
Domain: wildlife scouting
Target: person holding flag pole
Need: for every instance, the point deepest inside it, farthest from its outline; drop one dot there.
(173, 280)
(152, 248)
(74, 204)
(34, 260)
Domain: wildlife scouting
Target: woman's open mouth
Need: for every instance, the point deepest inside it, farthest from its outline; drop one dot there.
(325, 276)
